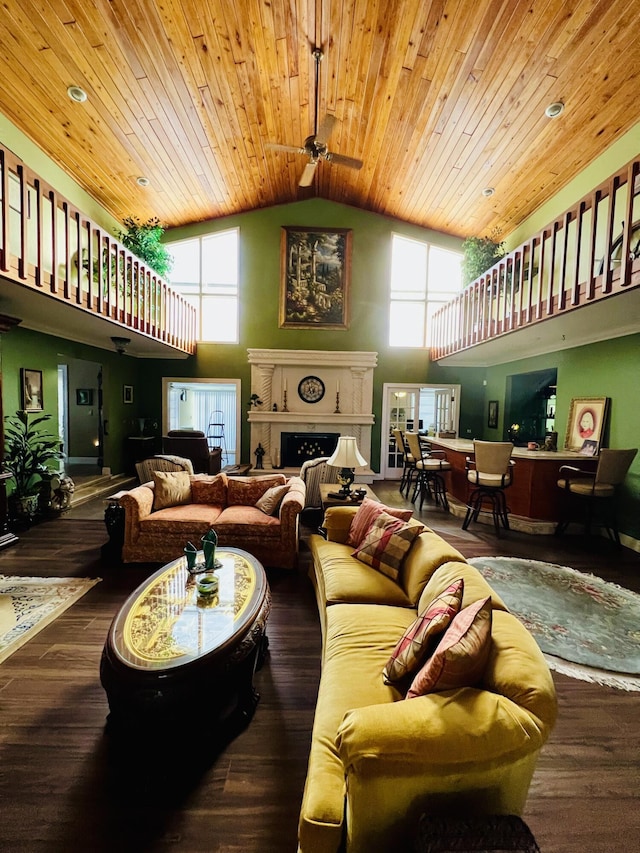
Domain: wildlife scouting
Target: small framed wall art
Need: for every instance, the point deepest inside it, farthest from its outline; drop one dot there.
(492, 416)
(84, 396)
(31, 387)
(127, 393)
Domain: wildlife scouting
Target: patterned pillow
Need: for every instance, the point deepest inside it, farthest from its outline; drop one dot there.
(461, 655)
(387, 544)
(245, 491)
(172, 488)
(367, 513)
(209, 490)
(270, 502)
(423, 633)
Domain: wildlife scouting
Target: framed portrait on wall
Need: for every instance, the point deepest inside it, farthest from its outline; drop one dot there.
(315, 277)
(31, 390)
(84, 396)
(492, 416)
(586, 422)
(127, 393)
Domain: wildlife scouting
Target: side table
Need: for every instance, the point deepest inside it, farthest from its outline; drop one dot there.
(328, 491)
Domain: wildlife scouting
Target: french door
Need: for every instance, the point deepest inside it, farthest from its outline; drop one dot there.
(414, 408)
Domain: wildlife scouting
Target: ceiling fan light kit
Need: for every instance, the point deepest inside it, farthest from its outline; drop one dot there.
(315, 146)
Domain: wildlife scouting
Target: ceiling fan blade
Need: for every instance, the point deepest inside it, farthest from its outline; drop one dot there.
(341, 160)
(307, 176)
(325, 128)
(294, 149)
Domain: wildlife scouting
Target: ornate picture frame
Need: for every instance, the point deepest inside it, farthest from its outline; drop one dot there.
(586, 421)
(31, 390)
(127, 393)
(492, 414)
(315, 277)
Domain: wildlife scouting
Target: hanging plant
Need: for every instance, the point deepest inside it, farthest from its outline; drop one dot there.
(480, 254)
(143, 239)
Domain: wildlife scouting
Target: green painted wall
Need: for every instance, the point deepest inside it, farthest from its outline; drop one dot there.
(25, 348)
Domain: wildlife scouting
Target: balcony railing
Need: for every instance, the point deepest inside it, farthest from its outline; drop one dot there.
(591, 252)
(48, 245)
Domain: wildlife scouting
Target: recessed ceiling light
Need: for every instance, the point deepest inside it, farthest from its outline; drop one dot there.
(77, 94)
(487, 192)
(142, 181)
(554, 110)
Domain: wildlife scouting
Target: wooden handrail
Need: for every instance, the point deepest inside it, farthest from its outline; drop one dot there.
(47, 244)
(555, 271)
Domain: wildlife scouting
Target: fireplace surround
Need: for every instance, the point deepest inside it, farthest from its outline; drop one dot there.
(344, 409)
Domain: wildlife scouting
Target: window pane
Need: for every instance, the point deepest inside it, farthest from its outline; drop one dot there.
(185, 273)
(220, 258)
(408, 265)
(220, 319)
(445, 271)
(406, 324)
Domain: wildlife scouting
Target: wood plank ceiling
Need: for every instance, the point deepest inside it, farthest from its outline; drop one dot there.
(439, 98)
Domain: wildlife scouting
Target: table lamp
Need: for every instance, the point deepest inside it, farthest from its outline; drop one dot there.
(347, 457)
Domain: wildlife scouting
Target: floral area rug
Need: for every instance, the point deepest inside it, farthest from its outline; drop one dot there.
(587, 628)
(27, 605)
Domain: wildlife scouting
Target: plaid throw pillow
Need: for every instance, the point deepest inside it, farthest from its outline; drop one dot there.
(387, 544)
(419, 638)
(461, 656)
(367, 513)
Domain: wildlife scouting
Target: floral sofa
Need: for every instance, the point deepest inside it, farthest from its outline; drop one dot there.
(258, 514)
(410, 722)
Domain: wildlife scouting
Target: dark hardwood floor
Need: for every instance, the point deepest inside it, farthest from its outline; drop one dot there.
(66, 784)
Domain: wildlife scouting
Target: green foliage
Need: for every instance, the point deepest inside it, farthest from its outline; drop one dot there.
(27, 452)
(480, 254)
(143, 239)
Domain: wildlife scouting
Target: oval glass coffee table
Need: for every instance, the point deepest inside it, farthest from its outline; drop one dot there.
(175, 655)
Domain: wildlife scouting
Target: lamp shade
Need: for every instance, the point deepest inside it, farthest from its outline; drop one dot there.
(346, 454)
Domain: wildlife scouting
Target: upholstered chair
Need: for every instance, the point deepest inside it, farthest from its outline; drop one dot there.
(491, 472)
(429, 465)
(313, 473)
(408, 462)
(145, 469)
(193, 445)
(589, 492)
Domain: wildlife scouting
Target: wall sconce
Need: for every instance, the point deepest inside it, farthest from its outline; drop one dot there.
(121, 344)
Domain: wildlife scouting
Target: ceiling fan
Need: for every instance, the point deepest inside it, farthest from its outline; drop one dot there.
(315, 146)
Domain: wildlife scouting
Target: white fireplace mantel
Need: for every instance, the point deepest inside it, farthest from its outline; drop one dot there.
(345, 408)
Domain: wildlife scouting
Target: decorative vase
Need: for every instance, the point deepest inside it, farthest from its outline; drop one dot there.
(209, 542)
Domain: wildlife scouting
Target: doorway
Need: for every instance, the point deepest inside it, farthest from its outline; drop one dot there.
(80, 417)
(427, 409)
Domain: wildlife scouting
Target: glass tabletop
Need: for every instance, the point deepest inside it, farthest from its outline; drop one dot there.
(166, 623)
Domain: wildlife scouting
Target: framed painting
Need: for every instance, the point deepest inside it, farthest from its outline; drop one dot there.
(492, 417)
(127, 393)
(31, 385)
(315, 278)
(84, 396)
(587, 420)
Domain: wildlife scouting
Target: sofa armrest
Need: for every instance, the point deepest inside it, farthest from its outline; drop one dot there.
(337, 522)
(137, 504)
(293, 502)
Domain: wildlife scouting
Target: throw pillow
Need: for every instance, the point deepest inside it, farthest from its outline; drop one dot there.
(367, 513)
(206, 489)
(270, 502)
(245, 491)
(417, 641)
(461, 655)
(172, 488)
(387, 544)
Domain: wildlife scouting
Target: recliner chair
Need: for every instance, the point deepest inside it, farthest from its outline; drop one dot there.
(193, 445)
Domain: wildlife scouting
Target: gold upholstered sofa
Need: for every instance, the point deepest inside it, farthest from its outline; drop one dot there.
(257, 514)
(380, 757)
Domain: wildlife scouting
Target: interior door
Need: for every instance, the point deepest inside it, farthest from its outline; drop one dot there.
(401, 411)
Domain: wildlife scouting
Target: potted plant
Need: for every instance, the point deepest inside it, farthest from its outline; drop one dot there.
(480, 254)
(143, 239)
(27, 451)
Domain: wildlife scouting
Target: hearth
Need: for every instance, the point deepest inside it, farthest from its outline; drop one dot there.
(297, 447)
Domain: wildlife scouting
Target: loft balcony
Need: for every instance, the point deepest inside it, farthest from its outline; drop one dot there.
(575, 282)
(53, 258)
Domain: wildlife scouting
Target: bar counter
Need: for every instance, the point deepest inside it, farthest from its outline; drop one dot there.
(534, 498)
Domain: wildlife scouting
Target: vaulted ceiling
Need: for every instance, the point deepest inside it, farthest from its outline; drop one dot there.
(439, 98)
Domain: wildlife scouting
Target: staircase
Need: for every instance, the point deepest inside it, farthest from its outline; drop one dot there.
(99, 486)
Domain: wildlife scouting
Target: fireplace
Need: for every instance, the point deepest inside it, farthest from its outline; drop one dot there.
(297, 447)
